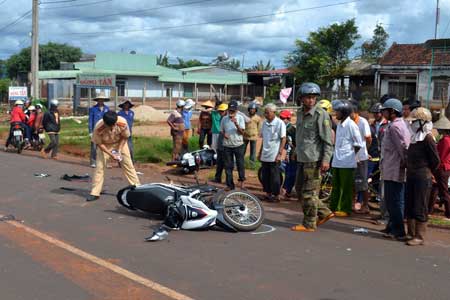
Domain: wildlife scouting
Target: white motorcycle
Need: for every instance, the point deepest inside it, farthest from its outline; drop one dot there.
(194, 207)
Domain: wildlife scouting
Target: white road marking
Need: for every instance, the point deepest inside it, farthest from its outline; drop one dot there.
(101, 262)
(271, 229)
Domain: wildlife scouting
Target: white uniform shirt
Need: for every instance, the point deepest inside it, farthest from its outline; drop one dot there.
(347, 137)
(272, 133)
(364, 130)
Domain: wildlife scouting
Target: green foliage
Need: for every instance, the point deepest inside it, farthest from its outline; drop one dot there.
(50, 55)
(233, 64)
(272, 93)
(188, 63)
(261, 66)
(4, 85)
(375, 48)
(2, 68)
(324, 55)
(163, 60)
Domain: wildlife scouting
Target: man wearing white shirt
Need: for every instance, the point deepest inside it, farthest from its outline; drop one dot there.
(362, 159)
(273, 133)
(348, 143)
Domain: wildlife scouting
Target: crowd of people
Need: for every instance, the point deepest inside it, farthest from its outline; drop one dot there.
(395, 140)
(398, 142)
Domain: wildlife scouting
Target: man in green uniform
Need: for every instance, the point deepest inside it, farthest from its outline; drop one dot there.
(314, 150)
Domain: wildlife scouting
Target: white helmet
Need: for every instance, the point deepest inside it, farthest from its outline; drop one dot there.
(18, 102)
(39, 106)
(189, 104)
(181, 103)
(54, 102)
(32, 107)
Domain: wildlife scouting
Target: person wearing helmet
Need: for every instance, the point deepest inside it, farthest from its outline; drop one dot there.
(422, 161)
(377, 127)
(111, 135)
(96, 113)
(396, 140)
(176, 123)
(442, 174)
(290, 169)
(222, 110)
(38, 128)
(362, 158)
(314, 150)
(232, 128)
(326, 105)
(126, 113)
(31, 117)
(187, 117)
(18, 117)
(348, 144)
(252, 128)
(52, 125)
(205, 124)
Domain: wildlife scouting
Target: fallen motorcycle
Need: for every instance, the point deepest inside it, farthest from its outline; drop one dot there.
(194, 207)
(199, 159)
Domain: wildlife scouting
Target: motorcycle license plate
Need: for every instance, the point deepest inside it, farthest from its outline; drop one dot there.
(42, 136)
(191, 162)
(17, 133)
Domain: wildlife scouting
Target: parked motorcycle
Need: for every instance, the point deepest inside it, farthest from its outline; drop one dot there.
(38, 140)
(194, 207)
(17, 139)
(199, 159)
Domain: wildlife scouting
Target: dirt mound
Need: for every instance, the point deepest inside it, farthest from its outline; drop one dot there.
(146, 113)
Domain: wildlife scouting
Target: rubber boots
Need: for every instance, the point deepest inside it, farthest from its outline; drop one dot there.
(411, 226)
(419, 239)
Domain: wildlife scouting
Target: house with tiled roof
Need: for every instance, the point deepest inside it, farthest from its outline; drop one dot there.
(415, 71)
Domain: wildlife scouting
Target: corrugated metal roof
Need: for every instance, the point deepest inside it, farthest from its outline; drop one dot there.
(58, 74)
(197, 68)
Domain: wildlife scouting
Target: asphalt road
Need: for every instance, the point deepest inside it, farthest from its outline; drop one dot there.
(62, 247)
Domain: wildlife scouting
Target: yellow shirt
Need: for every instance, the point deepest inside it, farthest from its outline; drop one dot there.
(104, 135)
(252, 128)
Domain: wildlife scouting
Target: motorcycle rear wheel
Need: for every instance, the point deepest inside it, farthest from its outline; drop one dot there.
(19, 146)
(242, 210)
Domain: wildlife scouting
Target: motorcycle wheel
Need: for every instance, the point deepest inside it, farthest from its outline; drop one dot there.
(18, 146)
(261, 181)
(242, 210)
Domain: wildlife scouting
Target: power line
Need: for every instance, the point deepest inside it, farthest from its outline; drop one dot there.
(446, 28)
(16, 20)
(142, 10)
(60, 1)
(213, 22)
(78, 5)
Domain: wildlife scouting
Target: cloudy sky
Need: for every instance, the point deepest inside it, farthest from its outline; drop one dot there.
(204, 28)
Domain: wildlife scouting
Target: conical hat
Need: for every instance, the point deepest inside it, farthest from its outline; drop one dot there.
(208, 104)
(443, 123)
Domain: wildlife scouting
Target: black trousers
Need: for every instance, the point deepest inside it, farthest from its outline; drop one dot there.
(231, 155)
(220, 163)
(271, 177)
(417, 196)
(53, 146)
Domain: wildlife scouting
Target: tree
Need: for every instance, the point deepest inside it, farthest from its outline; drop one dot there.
(50, 56)
(261, 66)
(163, 60)
(233, 64)
(2, 68)
(4, 85)
(324, 55)
(188, 63)
(372, 50)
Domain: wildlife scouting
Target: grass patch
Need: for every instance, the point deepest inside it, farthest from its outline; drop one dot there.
(439, 221)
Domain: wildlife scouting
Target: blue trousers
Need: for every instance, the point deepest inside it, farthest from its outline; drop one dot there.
(394, 195)
(290, 173)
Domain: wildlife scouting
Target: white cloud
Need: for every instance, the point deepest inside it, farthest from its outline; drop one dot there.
(262, 38)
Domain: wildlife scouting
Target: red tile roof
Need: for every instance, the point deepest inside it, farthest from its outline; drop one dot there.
(277, 71)
(414, 54)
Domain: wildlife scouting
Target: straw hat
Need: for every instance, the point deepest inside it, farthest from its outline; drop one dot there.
(421, 113)
(101, 96)
(121, 105)
(443, 123)
(208, 104)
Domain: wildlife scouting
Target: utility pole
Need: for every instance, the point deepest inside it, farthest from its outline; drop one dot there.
(438, 12)
(35, 51)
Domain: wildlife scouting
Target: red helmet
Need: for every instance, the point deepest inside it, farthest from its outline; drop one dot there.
(285, 114)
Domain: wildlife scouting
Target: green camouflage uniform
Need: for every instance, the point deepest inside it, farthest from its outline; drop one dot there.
(314, 146)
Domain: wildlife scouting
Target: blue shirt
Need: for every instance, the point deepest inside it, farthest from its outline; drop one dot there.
(187, 115)
(95, 115)
(129, 116)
